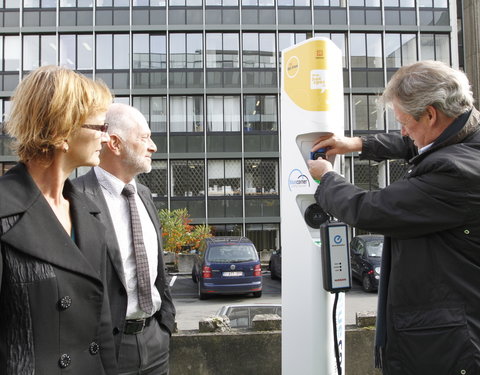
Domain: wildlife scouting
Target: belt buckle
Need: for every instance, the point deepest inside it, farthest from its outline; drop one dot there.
(143, 321)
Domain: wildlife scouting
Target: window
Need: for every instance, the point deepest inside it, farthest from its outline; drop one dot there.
(76, 51)
(366, 60)
(260, 113)
(223, 113)
(259, 50)
(187, 178)
(11, 53)
(222, 50)
(39, 51)
(146, 3)
(264, 236)
(154, 108)
(186, 51)
(186, 114)
(112, 51)
(261, 177)
(369, 175)
(435, 47)
(149, 51)
(76, 3)
(400, 49)
(224, 177)
(365, 115)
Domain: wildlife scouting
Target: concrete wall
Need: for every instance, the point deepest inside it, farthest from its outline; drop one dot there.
(256, 353)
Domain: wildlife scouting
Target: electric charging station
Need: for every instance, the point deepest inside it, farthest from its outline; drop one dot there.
(311, 106)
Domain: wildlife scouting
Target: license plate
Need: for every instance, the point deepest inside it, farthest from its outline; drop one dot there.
(235, 273)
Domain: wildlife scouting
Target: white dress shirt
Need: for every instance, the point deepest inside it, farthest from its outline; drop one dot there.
(120, 213)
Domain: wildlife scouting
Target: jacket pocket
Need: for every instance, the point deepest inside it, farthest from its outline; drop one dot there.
(434, 342)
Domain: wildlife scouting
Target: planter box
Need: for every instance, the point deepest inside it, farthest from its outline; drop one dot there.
(185, 262)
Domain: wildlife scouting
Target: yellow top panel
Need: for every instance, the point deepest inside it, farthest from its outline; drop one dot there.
(307, 80)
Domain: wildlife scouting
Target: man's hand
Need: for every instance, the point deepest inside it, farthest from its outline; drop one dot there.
(319, 167)
(337, 145)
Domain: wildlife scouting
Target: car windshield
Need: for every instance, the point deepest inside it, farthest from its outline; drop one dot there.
(374, 248)
(232, 254)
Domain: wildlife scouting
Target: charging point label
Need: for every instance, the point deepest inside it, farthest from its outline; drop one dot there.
(339, 262)
(306, 82)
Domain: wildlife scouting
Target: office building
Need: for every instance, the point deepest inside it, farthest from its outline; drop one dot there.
(206, 74)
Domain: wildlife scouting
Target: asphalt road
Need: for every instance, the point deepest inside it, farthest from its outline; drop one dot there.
(190, 310)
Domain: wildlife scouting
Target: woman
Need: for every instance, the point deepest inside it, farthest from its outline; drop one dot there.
(54, 314)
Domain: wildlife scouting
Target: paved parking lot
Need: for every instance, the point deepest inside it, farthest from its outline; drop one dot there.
(190, 309)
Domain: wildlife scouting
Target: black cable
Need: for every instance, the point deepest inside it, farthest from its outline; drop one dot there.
(335, 338)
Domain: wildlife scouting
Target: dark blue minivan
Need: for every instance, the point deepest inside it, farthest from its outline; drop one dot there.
(227, 265)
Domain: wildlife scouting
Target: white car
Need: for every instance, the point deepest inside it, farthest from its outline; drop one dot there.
(241, 316)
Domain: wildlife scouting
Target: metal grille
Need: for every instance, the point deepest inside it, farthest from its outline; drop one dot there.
(224, 177)
(397, 169)
(366, 174)
(156, 180)
(261, 176)
(188, 178)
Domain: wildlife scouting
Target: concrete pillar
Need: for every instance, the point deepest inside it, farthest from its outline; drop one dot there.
(471, 18)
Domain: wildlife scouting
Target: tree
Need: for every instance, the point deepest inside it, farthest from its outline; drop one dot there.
(177, 232)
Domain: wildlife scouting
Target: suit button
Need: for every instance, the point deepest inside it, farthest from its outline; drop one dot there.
(64, 361)
(65, 302)
(116, 331)
(93, 348)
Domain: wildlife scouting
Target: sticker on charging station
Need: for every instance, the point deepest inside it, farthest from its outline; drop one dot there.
(297, 180)
(339, 265)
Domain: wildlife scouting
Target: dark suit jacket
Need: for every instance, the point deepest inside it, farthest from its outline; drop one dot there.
(88, 183)
(54, 310)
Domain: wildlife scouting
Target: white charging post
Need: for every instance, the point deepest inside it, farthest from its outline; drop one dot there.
(311, 105)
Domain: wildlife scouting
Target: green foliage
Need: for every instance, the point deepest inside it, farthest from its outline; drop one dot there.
(177, 232)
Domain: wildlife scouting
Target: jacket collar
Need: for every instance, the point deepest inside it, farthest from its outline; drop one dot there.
(463, 126)
(38, 232)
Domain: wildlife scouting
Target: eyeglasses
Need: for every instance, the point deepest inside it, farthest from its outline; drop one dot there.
(102, 128)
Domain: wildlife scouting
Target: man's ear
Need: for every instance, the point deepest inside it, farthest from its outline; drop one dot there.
(431, 113)
(114, 144)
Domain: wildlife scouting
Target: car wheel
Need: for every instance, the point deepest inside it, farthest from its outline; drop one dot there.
(199, 291)
(367, 283)
(257, 294)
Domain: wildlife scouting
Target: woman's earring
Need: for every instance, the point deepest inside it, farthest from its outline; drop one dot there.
(65, 147)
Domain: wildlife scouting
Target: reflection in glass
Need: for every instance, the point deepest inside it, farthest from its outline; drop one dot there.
(31, 52)
(12, 53)
(68, 51)
(85, 52)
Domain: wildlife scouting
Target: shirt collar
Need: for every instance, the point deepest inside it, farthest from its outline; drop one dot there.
(111, 183)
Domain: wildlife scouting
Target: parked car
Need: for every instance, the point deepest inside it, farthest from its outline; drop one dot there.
(275, 265)
(241, 316)
(227, 265)
(366, 253)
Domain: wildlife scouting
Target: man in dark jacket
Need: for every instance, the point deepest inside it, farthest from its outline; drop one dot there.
(143, 313)
(429, 300)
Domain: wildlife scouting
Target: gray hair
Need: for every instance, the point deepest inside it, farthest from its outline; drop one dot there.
(121, 118)
(415, 87)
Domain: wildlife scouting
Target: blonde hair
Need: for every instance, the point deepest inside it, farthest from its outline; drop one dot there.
(48, 105)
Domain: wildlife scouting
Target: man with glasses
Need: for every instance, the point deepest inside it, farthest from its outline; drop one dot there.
(143, 314)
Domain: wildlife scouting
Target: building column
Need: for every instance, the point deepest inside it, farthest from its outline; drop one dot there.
(471, 19)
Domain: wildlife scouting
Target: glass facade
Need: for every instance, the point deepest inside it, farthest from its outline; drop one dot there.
(206, 74)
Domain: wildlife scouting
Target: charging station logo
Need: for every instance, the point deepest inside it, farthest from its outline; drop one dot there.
(293, 66)
(296, 180)
(318, 80)
(337, 239)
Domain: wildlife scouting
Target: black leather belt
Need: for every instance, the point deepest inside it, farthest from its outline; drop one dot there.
(135, 326)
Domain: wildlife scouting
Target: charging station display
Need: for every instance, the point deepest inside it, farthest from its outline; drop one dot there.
(311, 106)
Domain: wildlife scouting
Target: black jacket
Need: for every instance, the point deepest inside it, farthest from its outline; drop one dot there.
(54, 311)
(88, 183)
(429, 298)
